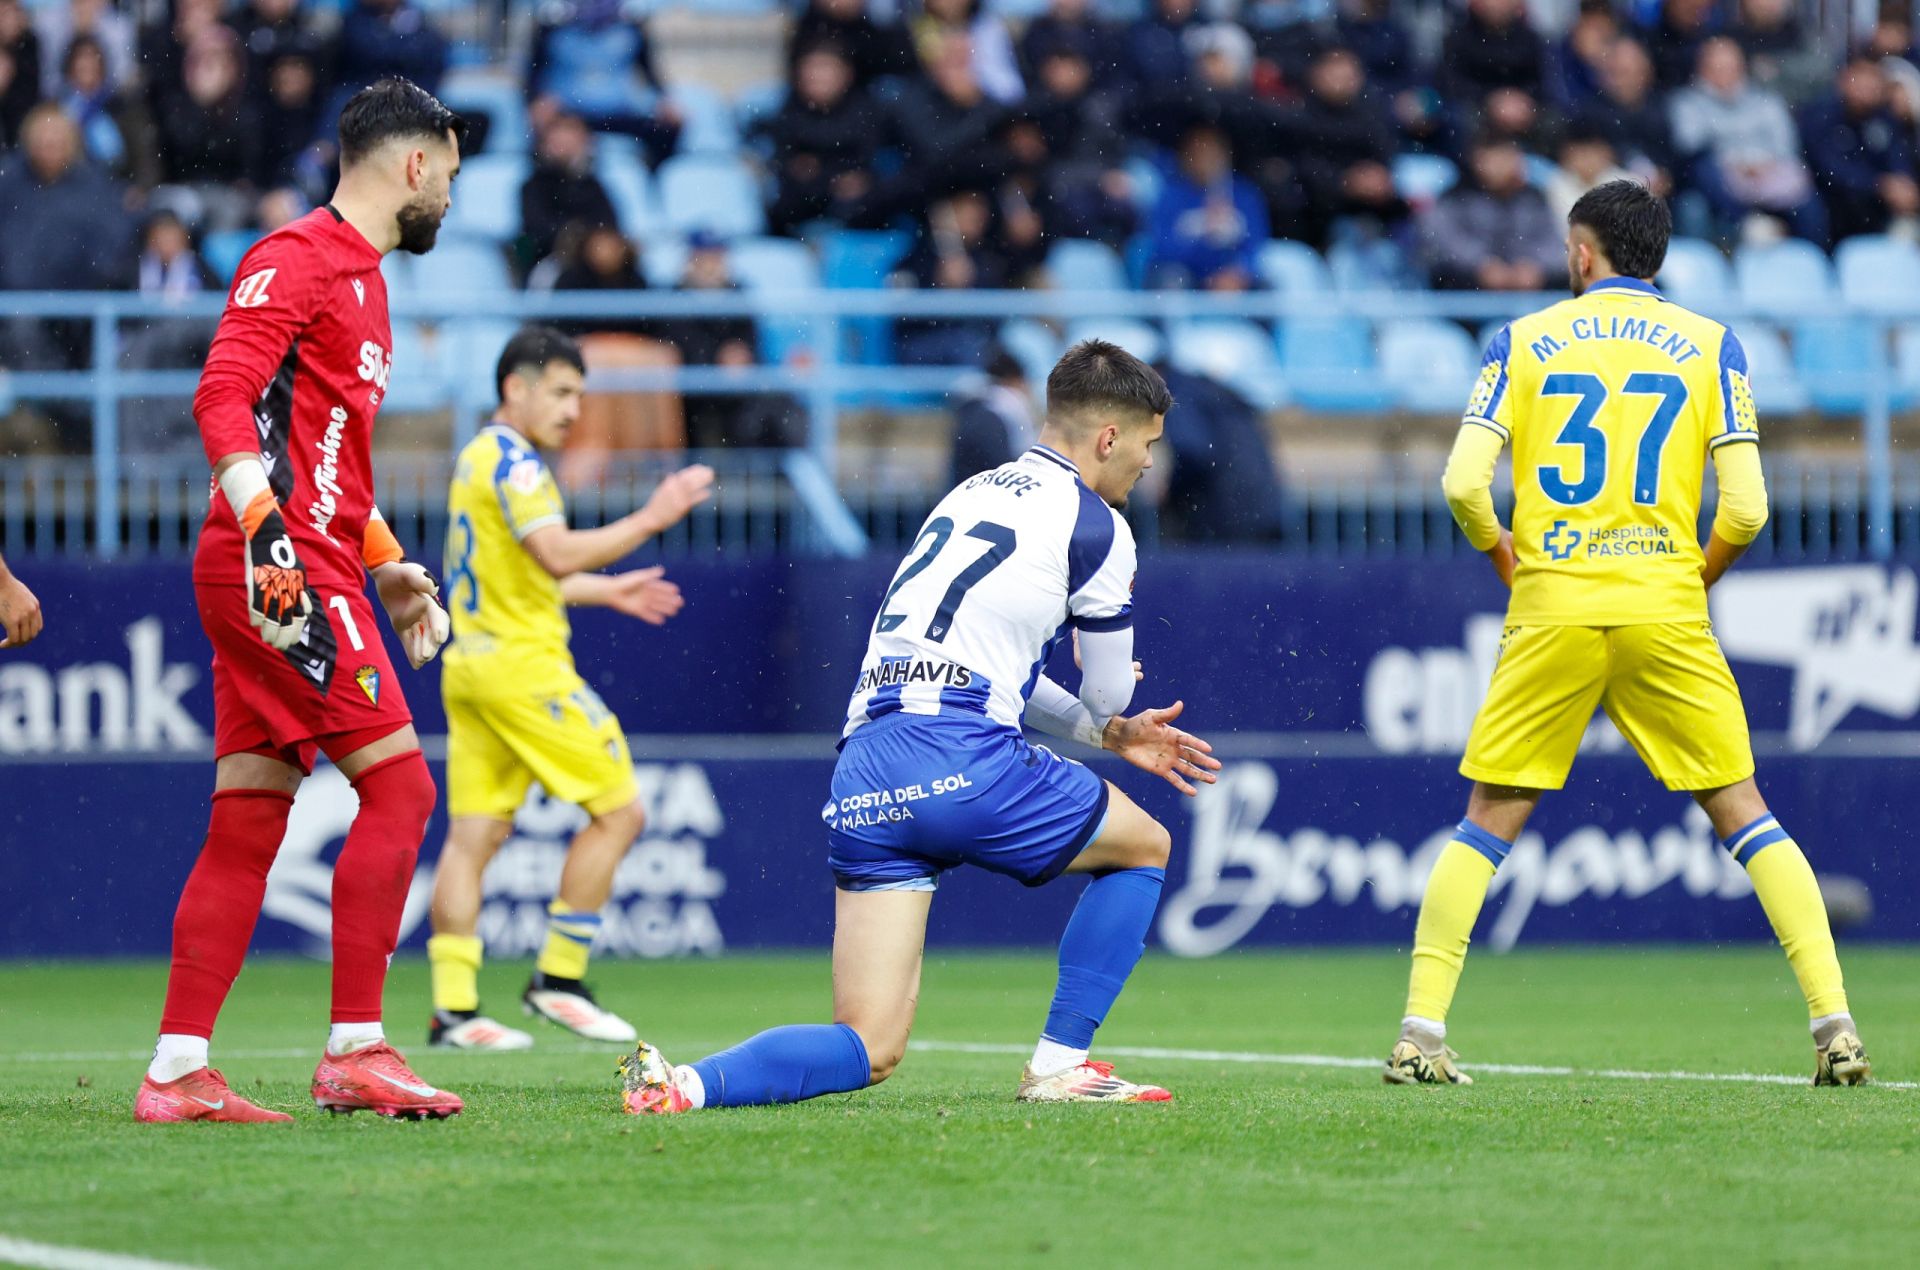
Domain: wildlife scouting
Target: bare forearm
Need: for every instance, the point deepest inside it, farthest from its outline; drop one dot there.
(581, 590)
(1721, 556)
(571, 551)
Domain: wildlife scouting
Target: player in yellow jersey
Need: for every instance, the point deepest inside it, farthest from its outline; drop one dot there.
(517, 711)
(1612, 402)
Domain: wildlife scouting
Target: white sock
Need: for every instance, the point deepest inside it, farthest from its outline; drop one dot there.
(176, 1054)
(688, 1082)
(1432, 1027)
(1051, 1056)
(345, 1038)
(1825, 1020)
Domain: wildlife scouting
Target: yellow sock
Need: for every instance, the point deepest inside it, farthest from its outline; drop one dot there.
(455, 962)
(1784, 881)
(570, 936)
(1455, 891)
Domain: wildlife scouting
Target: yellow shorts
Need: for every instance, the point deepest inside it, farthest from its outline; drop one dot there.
(571, 744)
(1665, 685)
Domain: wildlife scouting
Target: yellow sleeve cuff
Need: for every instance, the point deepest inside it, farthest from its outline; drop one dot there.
(1468, 483)
(1742, 511)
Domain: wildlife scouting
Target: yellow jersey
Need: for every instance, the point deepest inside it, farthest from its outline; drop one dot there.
(1611, 402)
(510, 629)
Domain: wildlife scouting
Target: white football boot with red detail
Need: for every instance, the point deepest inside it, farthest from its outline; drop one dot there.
(201, 1094)
(647, 1084)
(450, 1030)
(1090, 1082)
(377, 1079)
(572, 1007)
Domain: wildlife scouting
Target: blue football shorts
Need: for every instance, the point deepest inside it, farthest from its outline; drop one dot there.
(915, 795)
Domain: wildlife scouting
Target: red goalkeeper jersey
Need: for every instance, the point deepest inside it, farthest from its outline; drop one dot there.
(297, 370)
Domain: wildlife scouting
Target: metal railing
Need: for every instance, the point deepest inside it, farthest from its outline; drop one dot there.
(1864, 504)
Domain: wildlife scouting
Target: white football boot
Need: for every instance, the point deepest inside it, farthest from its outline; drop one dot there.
(475, 1032)
(1089, 1082)
(573, 1008)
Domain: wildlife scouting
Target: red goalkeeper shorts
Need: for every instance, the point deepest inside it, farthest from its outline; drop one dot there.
(334, 691)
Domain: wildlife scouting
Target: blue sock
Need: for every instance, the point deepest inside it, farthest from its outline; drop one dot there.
(1104, 939)
(786, 1064)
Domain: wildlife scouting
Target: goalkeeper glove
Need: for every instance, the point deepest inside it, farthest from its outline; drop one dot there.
(278, 601)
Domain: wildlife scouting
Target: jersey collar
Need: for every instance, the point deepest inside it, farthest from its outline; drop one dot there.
(1051, 455)
(1634, 285)
(511, 431)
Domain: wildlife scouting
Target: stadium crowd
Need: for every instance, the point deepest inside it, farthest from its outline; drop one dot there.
(1412, 142)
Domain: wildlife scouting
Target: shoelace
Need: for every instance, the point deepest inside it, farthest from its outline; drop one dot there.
(1105, 1069)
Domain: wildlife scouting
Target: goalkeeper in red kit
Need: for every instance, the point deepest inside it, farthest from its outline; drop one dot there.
(286, 404)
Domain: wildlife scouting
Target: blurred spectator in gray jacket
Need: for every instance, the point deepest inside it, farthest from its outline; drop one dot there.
(1494, 232)
(1741, 147)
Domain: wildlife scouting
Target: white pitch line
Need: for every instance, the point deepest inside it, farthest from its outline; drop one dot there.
(310, 1051)
(37, 1256)
(1332, 1060)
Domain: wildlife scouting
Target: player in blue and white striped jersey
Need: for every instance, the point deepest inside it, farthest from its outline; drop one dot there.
(935, 772)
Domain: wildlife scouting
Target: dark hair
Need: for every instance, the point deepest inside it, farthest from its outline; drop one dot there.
(1630, 222)
(1094, 375)
(393, 108)
(534, 348)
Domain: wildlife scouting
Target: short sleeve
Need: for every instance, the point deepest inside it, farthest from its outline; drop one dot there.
(1490, 406)
(1735, 418)
(529, 498)
(1101, 560)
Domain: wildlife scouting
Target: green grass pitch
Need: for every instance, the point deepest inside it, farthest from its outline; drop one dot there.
(1256, 1162)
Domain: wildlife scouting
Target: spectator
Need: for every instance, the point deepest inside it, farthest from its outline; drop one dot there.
(954, 254)
(875, 52)
(170, 269)
(1576, 65)
(279, 208)
(164, 44)
(19, 70)
(1380, 41)
(289, 117)
(1742, 150)
(270, 30)
(1675, 40)
(622, 420)
(561, 190)
(1516, 115)
(1493, 232)
(732, 343)
(994, 64)
(382, 38)
(946, 123)
(89, 100)
(995, 424)
(1223, 486)
(824, 138)
(1068, 27)
(1491, 46)
(1779, 53)
(1156, 44)
(65, 231)
(1631, 114)
(592, 58)
(1587, 159)
(1088, 194)
(1346, 148)
(210, 136)
(1862, 157)
(59, 26)
(1209, 222)
(1023, 203)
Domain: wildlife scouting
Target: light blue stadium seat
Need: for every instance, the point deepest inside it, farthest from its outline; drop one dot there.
(1082, 264)
(1835, 358)
(1035, 345)
(629, 185)
(855, 258)
(1540, 170)
(779, 265)
(1329, 363)
(1779, 279)
(476, 346)
(713, 192)
(1138, 338)
(500, 99)
(486, 196)
(223, 249)
(707, 125)
(462, 267)
(1429, 364)
(1235, 352)
(1293, 267)
(1776, 384)
(1422, 178)
(756, 102)
(663, 259)
(1147, 179)
(1696, 274)
(1878, 272)
(418, 379)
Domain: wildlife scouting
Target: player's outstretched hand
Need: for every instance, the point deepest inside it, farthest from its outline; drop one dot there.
(19, 611)
(677, 495)
(645, 594)
(407, 591)
(1151, 743)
